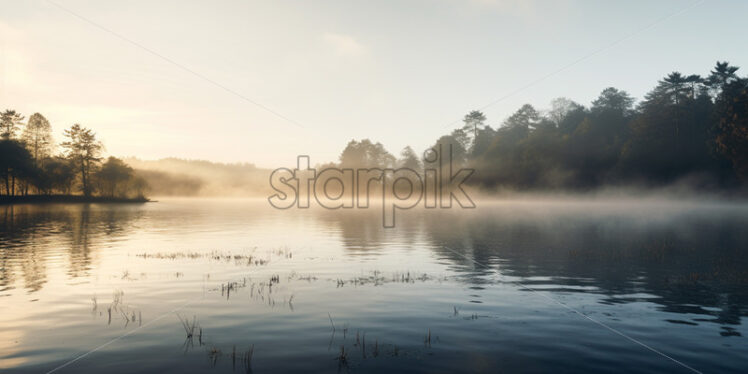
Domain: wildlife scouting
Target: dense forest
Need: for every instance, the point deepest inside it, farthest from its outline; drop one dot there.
(689, 129)
(29, 164)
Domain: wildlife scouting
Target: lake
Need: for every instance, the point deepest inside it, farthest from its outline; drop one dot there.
(230, 285)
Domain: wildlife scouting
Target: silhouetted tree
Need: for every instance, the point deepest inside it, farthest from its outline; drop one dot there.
(10, 122)
(15, 163)
(732, 136)
(481, 144)
(454, 143)
(365, 154)
(83, 149)
(409, 159)
(612, 99)
(473, 122)
(113, 176)
(38, 137)
(58, 174)
(722, 75)
(522, 121)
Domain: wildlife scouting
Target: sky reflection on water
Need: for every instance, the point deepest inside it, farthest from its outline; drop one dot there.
(670, 274)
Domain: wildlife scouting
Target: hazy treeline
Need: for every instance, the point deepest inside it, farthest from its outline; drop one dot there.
(30, 163)
(179, 177)
(689, 128)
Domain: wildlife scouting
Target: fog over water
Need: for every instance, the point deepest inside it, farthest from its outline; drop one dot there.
(484, 283)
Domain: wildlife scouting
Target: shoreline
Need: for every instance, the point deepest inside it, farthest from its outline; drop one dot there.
(53, 199)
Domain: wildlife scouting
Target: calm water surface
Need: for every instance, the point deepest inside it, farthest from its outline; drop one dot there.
(102, 288)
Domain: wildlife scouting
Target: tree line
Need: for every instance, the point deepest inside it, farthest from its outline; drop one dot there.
(688, 128)
(29, 163)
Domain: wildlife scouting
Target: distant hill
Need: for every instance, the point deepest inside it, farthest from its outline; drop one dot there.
(179, 177)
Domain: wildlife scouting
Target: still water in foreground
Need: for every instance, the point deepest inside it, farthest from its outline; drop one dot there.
(235, 286)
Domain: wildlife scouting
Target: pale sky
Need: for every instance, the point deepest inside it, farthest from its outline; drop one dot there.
(399, 72)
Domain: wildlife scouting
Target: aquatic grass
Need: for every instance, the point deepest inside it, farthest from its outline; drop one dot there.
(376, 278)
(331, 323)
(247, 359)
(250, 259)
(117, 298)
(213, 355)
(117, 306)
(125, 316)
(343, 356)
(233, 358)
(363, 346)
(189, 326)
